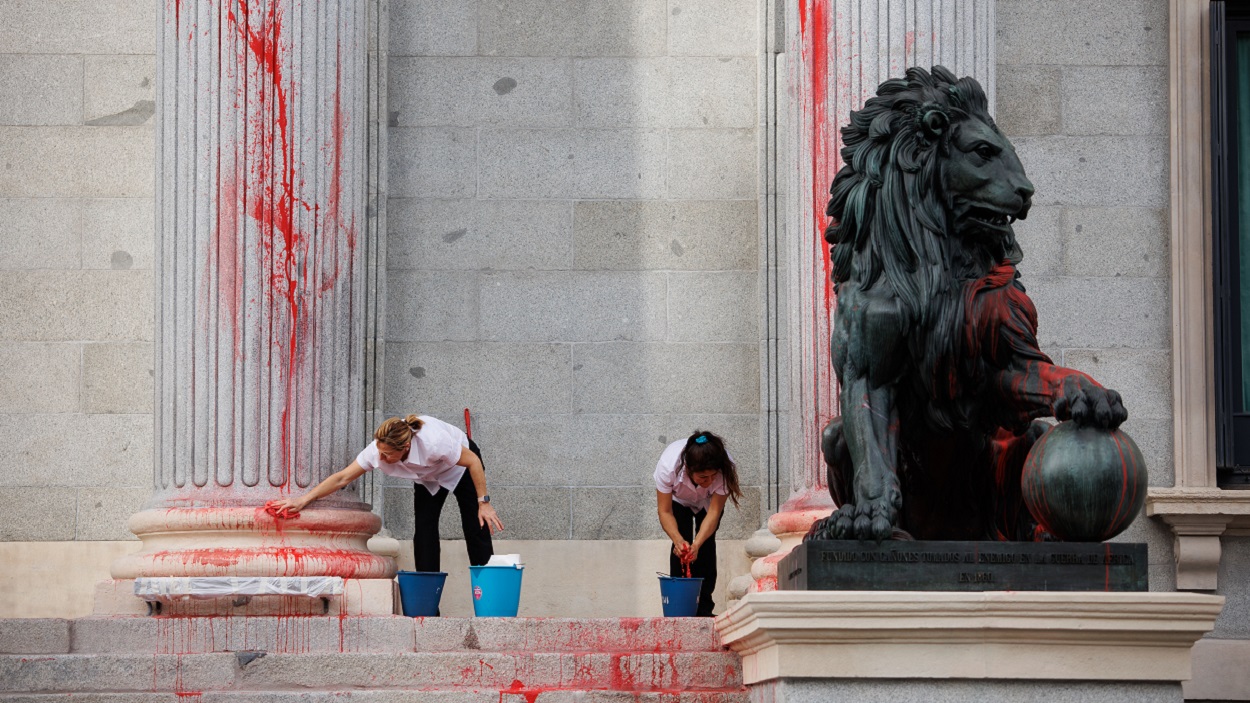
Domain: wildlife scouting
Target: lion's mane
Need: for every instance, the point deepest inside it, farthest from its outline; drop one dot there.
(892, 222)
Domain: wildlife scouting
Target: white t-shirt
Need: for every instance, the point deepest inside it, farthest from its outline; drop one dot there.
(670, 477)
(432, 459)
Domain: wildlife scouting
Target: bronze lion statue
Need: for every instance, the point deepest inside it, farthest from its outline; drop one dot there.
(934, 340)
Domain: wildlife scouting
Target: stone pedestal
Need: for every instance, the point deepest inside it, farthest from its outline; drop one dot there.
(261, 236)
(994, 646)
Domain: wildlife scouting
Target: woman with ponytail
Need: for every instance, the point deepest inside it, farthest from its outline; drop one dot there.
(440, 459)
(692, 480)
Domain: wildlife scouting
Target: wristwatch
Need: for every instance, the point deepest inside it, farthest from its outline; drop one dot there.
(484, 499)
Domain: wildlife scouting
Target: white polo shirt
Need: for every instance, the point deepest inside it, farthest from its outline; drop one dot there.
(670, 477)
(432, 459)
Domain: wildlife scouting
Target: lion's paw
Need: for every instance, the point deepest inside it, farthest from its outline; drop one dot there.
(875, 523)
(1089, 405)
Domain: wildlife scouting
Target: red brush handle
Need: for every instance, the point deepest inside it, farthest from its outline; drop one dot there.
(468, 425)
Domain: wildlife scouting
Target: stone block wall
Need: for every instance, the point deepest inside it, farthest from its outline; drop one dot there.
(1083, 94)
(573, 248)
(76, 215)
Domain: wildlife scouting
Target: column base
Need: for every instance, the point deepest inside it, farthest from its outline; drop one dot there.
(359, 597)
(239, 541)
(789, 525)
(250, 542)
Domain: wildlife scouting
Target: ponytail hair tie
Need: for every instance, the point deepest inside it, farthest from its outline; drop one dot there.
(701, 439)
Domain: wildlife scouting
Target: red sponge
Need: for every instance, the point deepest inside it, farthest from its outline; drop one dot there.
(274, 508)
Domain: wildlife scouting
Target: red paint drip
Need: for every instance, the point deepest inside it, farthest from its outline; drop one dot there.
(289, 561)
(259, 180)
(275, 209)
(1122, 514)
(1106, 561)
(815, 94)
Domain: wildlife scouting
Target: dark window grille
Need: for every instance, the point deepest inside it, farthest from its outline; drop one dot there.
(1230, 224)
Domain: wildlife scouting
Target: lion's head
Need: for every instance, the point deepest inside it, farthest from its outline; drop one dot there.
(929, 189)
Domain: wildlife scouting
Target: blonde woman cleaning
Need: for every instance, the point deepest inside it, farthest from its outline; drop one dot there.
(440, 459)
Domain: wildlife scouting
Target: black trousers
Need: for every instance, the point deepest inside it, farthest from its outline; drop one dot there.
(427, 509)
(688, 524)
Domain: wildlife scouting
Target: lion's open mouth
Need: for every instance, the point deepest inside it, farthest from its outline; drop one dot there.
(990, 219)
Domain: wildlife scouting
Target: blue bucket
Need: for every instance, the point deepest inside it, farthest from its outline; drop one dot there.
(420, 592)
(680, 596)
(496, 590)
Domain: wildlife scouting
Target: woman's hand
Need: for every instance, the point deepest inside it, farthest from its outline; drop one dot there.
(680, 548)
(692, 553)
(287, 507)
(290, 507)
(486, 516)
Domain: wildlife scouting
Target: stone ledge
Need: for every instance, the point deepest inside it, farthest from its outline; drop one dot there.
(1011, 635)
(1234, 505)
(1198, 518)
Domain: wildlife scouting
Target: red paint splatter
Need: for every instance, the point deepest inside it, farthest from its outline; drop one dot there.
(518, 688)
(816, 98)
(280, 561)
(260, 188)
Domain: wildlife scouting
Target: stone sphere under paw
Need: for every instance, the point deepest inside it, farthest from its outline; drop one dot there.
(1084, 484)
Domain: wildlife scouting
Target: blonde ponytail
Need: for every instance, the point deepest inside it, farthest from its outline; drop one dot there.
(397, 431)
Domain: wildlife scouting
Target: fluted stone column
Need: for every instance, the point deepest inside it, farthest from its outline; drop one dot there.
(261, 335)
(839, 52)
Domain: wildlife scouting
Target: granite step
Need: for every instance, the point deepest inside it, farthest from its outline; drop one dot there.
(34, 636)
(312, 635)
(347, 696)
(369, 659)
(657, 672)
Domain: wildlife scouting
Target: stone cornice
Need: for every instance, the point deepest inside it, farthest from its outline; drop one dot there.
(990, 635)
(1179, 505)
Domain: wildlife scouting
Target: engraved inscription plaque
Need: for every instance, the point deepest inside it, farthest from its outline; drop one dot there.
(850, 565)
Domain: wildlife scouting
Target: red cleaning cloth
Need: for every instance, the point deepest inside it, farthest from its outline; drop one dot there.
(686, 560)
(272, 507)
